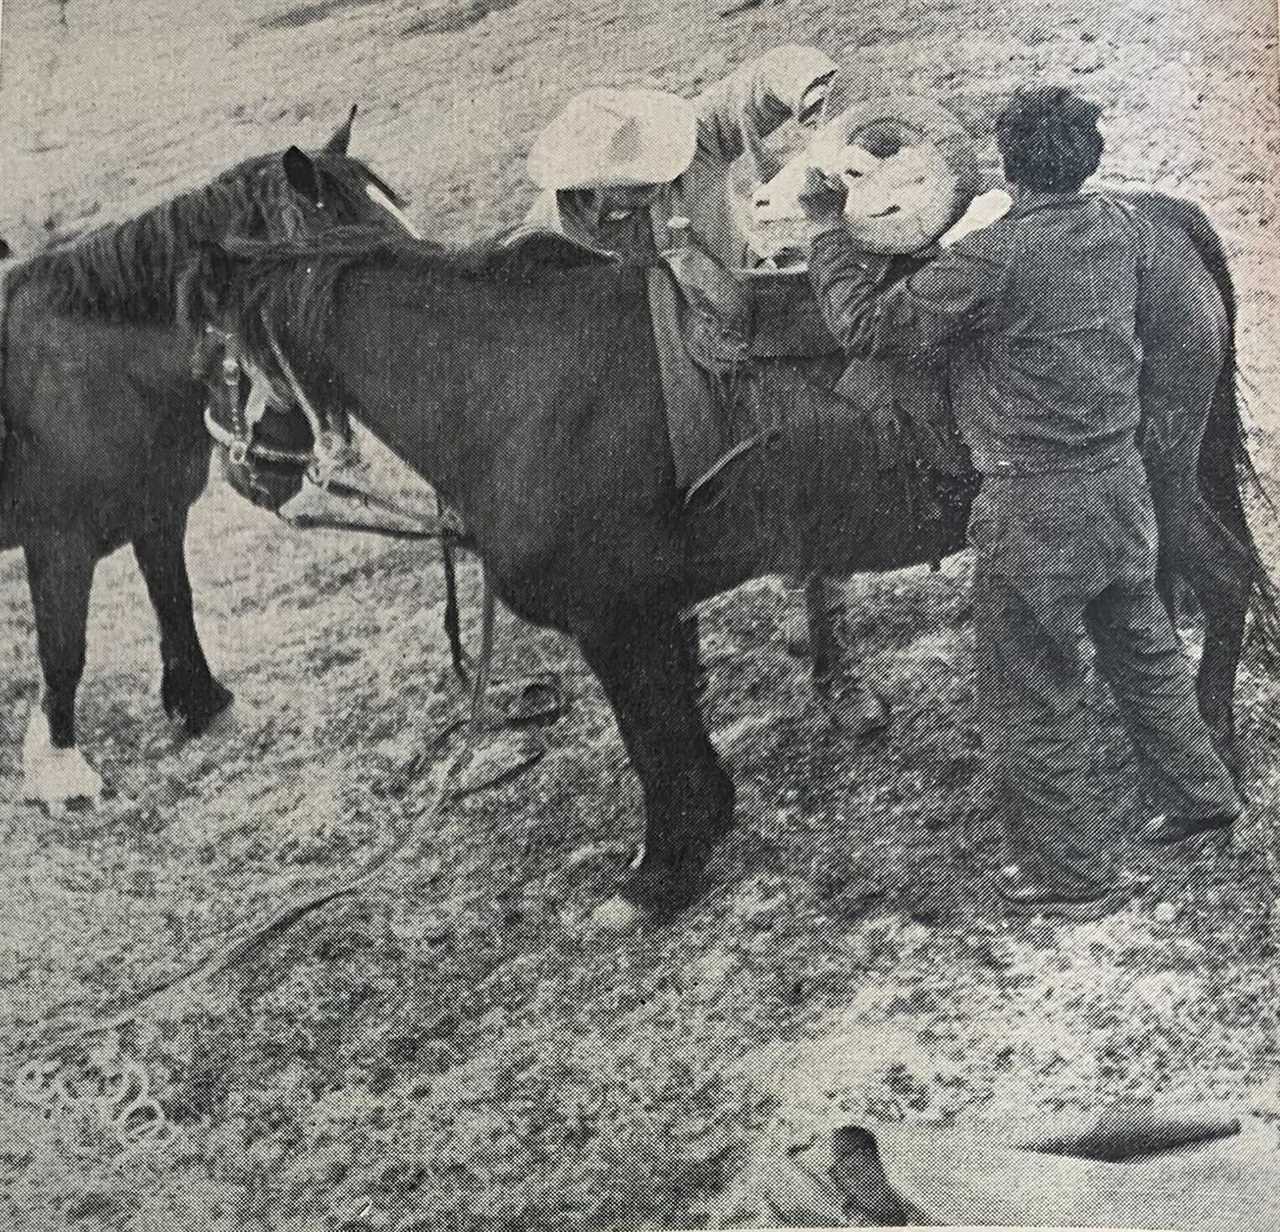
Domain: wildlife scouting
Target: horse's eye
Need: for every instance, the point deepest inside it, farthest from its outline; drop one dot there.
(761, 202)
(853, 173)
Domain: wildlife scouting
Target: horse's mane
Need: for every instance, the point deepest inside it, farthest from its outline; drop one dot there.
(129, 271)
(293, 285)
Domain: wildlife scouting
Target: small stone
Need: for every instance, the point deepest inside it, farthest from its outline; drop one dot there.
(616, 916)
(760, 913)
(1166, 913)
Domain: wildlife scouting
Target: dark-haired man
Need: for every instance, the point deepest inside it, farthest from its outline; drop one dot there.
(1037, 316)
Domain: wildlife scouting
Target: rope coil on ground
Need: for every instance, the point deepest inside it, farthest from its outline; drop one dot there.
(86, 1077)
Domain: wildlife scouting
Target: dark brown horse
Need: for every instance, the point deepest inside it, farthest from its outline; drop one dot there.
(524, 385)
(105, 443)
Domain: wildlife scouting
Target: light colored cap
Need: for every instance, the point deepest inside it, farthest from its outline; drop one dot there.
(621, 138)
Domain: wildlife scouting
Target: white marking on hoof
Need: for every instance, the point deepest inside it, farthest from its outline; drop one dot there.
(54, 777)
(617, 916)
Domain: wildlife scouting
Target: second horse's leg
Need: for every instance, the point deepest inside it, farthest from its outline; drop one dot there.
(60, 569)
(849, 701)
(187, 687)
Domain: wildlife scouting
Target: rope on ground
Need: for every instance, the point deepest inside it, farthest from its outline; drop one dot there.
(86, 1072)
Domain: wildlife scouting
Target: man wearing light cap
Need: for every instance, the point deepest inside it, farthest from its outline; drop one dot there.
(617, 165)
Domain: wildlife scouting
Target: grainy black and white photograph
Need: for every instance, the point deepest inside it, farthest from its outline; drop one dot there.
(639, 615)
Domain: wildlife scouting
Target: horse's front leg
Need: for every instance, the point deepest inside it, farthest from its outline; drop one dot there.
(188, 689)
(60, 567)
(642, 664)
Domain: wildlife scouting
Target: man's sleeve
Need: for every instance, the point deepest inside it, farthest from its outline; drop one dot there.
(758, 97)
(955, 295)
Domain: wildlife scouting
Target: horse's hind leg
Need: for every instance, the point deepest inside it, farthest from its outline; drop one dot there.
(1215, 681)
(187, 687)
(60, 569)
(851, 704)
(1211, 554)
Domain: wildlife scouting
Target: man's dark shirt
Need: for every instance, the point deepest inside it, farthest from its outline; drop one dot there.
(1036, 314)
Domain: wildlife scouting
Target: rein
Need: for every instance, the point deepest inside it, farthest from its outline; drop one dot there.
(331, 450)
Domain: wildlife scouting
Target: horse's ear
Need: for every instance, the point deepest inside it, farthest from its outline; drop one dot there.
(341, 138)
(301, 173)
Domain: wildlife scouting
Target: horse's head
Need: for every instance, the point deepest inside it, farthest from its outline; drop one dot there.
(257, 410)
(909, 166)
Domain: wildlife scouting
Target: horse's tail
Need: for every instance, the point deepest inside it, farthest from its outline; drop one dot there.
(1226, 465)
(1264, 597)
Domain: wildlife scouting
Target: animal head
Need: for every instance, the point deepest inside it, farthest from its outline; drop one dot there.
(303, 195)
(909, 175)
(313, 198)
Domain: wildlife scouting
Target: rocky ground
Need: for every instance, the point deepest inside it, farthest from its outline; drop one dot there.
(452, 1049)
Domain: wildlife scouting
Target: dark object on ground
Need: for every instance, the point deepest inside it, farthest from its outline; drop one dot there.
(1137, 1164)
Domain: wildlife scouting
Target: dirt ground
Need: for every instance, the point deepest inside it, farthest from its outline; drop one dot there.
(457, 1052)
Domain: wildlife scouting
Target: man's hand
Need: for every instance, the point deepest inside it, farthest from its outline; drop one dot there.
(823, 198)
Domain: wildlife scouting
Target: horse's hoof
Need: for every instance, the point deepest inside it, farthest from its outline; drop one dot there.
(657, 890)
(55, 777)
(853, 707)
(58, 780)
(51, 776)
(196, 717)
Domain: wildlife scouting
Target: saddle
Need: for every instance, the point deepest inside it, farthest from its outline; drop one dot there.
(724, 335)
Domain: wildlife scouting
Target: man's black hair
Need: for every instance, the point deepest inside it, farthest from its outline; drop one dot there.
(1048, 138)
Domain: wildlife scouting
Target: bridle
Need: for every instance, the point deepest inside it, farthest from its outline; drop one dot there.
(332, 449)
(331, 433)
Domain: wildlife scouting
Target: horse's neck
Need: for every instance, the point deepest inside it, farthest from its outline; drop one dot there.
(466, 378)
(403, 364)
